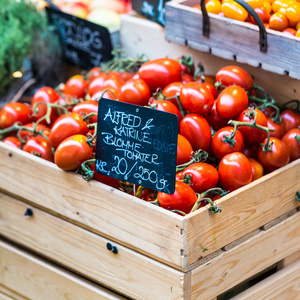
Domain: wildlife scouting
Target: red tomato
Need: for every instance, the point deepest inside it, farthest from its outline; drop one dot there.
(253, 136)
(183, 199)
(196, 130)
(97, 84)
(106, 92)
(187, 78)
(257, 168)
(76, 86)
(290, 120)
(171, 90)
(25, 135)
(184, 150)
(263, 13)
(278, 129)
(114, 80)
(276, 158)
(87, 107)
(167, 106)
(44, 95)
(231, 102)
(135, 91)
(72, 152)
(235, 171)
(219, 145)
(212, 89)
(204, 176)
(93, 73)
(39, 146)
(158, 73)
(214, 120)
(292, 141)
(234, 75)
(12, 141)
(250, 151)
(196, 98)
(66, 126)
(14, 112)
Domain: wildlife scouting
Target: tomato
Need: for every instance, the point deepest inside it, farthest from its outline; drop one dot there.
(253, 136)
(214, 120)
(233, 10)
(254, 3)
(25, 135)
(65, 126)
(87, 107)
(231, 102)
(250, 151)
(115, 81)
(278, 21)
(187, 78)
(72, 152)
(293, 11)
(106, 92)
(44, 95)
(113, 182)
(268, 111)
(257, 168)
(196, 130)
(292, 141)
(213, 6)
(12, 141)
(93, 73)
(235, 171)
(290, 31)
(290, 120)
(278, 129)
(135, 91)
(183, 199)
(204, 176)
(219, 145)
(38, 145)
(234, 75)
(212, 89)
(167, 106)
(14, 112)
(76, 86)
(158, 73)
(196, 98)
(263, 13)
(184, 150)
(97, 84)
(276, 158)
(171, 90)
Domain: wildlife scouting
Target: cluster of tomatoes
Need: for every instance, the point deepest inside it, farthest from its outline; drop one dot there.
(230, 132)
(280, 15)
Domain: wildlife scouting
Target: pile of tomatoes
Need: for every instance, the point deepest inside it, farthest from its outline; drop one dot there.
(231, 132)
(280, 15)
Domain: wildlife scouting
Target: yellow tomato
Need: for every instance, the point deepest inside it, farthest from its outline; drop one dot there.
(213, 6)
(233, 10)
(268, 6)
(293, 12)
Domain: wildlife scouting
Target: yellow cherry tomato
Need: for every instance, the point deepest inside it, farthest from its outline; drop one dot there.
(268, 6)
(213, 6)
(233, 10)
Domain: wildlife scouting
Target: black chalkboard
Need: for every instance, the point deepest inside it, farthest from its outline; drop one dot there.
(151, 9)
(84, 44)
(137, 144)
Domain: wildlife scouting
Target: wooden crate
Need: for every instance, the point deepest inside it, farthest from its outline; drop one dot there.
(231, 39)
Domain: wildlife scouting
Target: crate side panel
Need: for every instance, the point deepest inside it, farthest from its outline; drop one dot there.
(102, 209)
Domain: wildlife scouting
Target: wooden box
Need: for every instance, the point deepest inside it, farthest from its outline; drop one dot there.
(231, 39)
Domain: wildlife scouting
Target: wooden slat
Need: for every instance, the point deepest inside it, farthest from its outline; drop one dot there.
(84, 252)
(37, 279)
(10, 294)
(247, 259)
(284, 284)
(243, 211)
(288, 260)
(239, 40)
(115, 214)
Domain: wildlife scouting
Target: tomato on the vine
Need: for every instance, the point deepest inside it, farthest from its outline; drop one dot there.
(214, 120)
(167, 106)
(97, 84)
(292, 141)
(257, 168)
(277, 128)
(76, 86)
(12, 141)
(184, 150)
(290, 119)
(39, 146)
(87, 107)
(26, 134)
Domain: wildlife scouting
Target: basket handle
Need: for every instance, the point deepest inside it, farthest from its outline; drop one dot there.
(263, 45)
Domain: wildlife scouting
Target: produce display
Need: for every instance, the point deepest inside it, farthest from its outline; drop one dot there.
(231, 132)
(280, 15)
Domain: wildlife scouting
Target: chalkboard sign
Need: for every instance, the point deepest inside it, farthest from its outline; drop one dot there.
(151, 9)
(137, 144)
(84, 44)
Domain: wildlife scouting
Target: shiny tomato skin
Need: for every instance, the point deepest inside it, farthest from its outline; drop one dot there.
(231, 102)
(12, 141)
(135, 91)
(290, 119)
(276, 158)
(87, 107)
(253, 136)
(292, 142)
(25, 135)
(92, 74)
(278, 129)
(44, 95)
(212, 89)
(196, 98)
(183, 199)
(114, 80)
(158, 73)
(196, 130)
(214, 120)
(257, 168)
(14, 112)
(76, 86)
(184, 150)
(204, 176)
(171, 90)
(233, 10)
(278, 21)
(72, 152)
(66, 126)
(106, 92)
(167, 106)
(40, 146)
(234, 75)
(235, 171)
(221, 148)
(97, 84)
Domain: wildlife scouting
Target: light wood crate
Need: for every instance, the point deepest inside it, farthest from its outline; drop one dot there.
(231, 39)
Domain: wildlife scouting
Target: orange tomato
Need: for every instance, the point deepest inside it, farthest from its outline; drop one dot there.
(255, 3)
(257, 169)
(293, 12)
(233, 10)
(278, 21)
(213, 6)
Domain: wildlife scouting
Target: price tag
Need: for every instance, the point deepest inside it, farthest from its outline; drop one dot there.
(84, 44)
(137, 144)
(151, 9)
